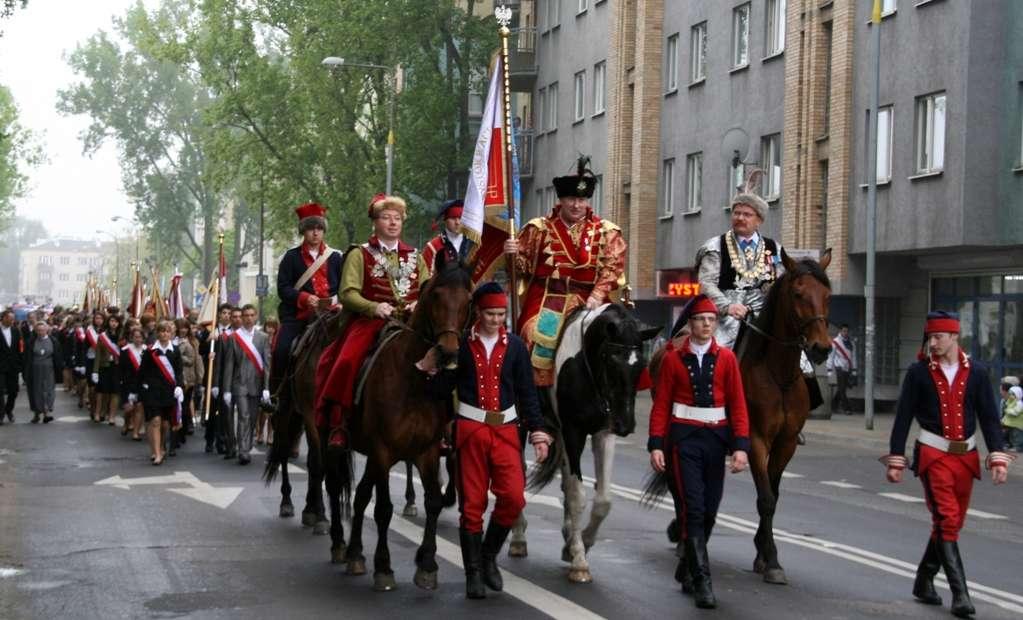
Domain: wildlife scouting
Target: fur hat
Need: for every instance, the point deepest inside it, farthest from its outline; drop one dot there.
(311, 215)
(752, 201)
(383, 202)
(578, 185)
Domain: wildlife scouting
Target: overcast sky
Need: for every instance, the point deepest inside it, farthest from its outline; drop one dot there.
(74, 195)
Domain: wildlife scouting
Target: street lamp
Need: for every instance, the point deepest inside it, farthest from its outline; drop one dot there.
(337, 63)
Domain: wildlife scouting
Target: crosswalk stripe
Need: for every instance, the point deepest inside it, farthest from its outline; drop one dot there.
(789, 474)
(902, 497)
(840, 484)
(980, 514)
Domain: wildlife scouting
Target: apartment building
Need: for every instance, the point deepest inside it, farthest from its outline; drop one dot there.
(56, 271)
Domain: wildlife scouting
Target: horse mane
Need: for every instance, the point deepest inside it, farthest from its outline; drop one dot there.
(448, 274)
(757, 344)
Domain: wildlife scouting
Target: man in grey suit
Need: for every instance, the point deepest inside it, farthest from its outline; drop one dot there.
(246, 381)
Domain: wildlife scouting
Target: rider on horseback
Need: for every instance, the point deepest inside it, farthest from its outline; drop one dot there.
(698, 415)
(455, 245)
(569, 258)
(379, 283)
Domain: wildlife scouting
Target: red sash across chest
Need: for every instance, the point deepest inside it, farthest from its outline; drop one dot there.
(165, 367)
(319, 281)
(135, 358)
(79, 334)
(109, 345)
(250, 351)
(92, 337)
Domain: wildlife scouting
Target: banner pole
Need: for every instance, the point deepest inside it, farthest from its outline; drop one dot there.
(503, 15)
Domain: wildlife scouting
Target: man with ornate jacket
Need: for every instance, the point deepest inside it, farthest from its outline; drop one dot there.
(698, 416)
(379, 282)
(569, 258)
(950, 397)
(451, 241)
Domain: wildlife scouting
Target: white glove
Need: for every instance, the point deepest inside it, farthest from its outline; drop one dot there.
(266, 396)
(132, 398)
(179, 394)
(95, 377)
(227, 398)
(216, 392)
(80, 370)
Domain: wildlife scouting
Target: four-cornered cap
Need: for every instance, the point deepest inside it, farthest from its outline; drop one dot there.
(578, 185)
(310, 209)
(451, 208)
(941, 321)
(490, 295)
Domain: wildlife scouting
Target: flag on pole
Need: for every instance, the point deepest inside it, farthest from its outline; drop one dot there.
(159, 308)
(208, 309)
(86, 306)
(222, 276)
(485, 215)
(175, 302)
(135, 306)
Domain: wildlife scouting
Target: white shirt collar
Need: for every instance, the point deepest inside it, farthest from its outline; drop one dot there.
(390, 247)
(755, 237)
(159, 347)
(454, 238)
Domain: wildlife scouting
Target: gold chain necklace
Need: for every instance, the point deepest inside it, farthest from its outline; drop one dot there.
(759, 266)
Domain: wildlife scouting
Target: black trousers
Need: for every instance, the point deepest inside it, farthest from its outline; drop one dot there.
(8, 389)
(840, 401)
(696, 464)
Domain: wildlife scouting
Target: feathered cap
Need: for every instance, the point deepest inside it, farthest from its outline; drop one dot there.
(578, 185)
(311, 215)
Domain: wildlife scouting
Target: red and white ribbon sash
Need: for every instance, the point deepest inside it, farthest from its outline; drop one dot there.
(109, 345)
(91, 336)
(165, 366)
(843, 351)
(250, 351)
(135, 358)
(79, 334)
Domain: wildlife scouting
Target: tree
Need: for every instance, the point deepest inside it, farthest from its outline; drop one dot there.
(18, 151)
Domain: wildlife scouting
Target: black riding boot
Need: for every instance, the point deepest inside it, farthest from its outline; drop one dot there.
(962, 607)
(923, 587)
(472, 560)
(699, 569)
(492, 543)
(682, 570)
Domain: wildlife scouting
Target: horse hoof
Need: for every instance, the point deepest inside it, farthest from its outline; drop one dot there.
(337, 554)
(580, 575)
(410, 511)
(287, 511)
(321, 528)
(384, 582)
(518, 549)
(308, 519)
(425, 580)
(759, 566)
(356, 567)
(775, 576)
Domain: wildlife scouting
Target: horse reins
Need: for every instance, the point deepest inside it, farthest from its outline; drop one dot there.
(605, 404)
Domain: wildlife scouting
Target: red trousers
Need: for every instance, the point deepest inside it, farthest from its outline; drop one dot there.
(948, 482)
(338, 368)
(489, 458)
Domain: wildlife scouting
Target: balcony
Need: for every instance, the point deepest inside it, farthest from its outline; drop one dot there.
(522, 59)
(524, 151)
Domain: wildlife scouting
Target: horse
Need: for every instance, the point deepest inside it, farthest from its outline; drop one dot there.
(397, 419)
(599, 358)
(294, 416)
(410, 509)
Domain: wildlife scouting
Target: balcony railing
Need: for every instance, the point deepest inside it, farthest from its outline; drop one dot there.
(524, 151)
(522, 59)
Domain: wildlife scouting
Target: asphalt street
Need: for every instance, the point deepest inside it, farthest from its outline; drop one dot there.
(89, 529)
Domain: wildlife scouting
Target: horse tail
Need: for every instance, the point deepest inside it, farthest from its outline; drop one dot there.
(543, 474)
(655, 488)
(343, 466)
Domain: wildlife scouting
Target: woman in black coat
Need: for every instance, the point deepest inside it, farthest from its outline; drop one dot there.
(160, 389)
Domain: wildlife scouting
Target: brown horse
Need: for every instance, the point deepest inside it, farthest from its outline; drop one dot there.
(794, 321)
(397, 420)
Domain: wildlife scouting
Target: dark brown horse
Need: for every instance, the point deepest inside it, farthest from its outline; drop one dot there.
(397, 420)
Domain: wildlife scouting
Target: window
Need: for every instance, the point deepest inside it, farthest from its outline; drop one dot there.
(65, 260)
(698, 52)
(64, 277)
(597, 202)
(888, 6)
(884, 144)
(694, 182)
(930, 133)
(775, 27)
(583, 5)
(580, 96)
(553, 14)
(770, 156)
(740, 36)
(45, 260)
(80, 277)
(668, 186)
(541, 110)
(671, 64)
(599, 87)
(550, 199)
(83, 261)
(552, 107)
(1020, 160)
(736, 178)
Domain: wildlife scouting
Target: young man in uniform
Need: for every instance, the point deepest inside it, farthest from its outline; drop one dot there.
(492, 377)
(950, 396)
(218, 339)
(698, 416)
(455, 245)
(246, 381)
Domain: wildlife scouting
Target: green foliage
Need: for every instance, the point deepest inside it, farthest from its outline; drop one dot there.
(18, 151)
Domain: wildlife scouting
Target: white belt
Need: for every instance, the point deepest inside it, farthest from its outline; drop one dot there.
(947, 445)
(493, 418)
(707, 415)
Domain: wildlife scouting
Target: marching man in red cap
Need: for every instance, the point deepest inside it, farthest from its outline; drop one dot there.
(379, 282)
(698, 416)
(494, 384)
(451, 241)
(949, 396)
(307, 283)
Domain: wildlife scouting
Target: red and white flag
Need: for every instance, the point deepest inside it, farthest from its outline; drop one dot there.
(222, 276)
(175, 302)
(485, 214)
(137, 304)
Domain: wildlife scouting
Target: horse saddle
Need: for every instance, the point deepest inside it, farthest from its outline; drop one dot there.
(389, 331)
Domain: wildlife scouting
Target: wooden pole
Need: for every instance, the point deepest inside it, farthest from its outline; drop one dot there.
(214, 294)
(503, 15)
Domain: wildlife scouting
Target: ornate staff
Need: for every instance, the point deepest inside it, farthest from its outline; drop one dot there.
(504, 16)
(214, 294)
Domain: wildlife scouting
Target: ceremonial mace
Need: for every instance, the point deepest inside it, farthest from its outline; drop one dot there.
(504, 16)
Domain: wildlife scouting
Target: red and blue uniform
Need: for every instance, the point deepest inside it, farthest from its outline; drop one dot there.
(695, 448)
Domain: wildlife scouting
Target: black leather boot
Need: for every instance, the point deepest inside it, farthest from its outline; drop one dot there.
(492, 543)
(923, 587)
(682, 570)
(472, 560)
(699, 569)
(962, 607)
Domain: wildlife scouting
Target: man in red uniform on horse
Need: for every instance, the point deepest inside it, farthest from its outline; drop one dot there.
(451, 241)
(698, 416)
(950, 396)
(379, 283)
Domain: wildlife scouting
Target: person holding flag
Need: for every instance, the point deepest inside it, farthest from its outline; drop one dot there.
(246, 382)
(159, 385)
(451, 240)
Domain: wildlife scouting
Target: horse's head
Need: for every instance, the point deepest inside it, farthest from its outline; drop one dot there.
(443, 309)
(810, 294)
(614, 349)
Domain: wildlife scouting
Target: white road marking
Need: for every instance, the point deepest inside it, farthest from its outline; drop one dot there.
(9, 572)
(533, 595)
(68, 418)
(980, 514)
(902, 497)
(221, 497)
(840, 484)
(789, 474)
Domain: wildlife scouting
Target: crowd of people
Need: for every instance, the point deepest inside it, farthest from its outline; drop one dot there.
(150, 373)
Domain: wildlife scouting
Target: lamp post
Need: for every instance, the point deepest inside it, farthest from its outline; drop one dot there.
(336, 62)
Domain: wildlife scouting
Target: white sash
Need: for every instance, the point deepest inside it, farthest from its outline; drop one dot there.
(312, 269)
(91, 336)
(165, 366)
(135, 358)
(843, 351)
(109, 345)
(250, 351)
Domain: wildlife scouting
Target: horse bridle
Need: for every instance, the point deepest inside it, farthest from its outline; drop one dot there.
(602, 399)
(798, 343)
